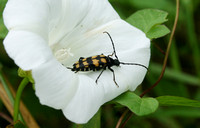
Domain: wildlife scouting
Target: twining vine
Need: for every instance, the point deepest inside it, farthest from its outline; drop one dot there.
(119, 123)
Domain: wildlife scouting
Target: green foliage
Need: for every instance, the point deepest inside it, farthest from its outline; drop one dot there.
(177, 101)
(140, 106)
(3, 29)
(27, 74)
(157, 31)
(175, 75)
(149, 21)
(164, 4)
(95, 122)
(181, 77)
(1, 66)
(17, 124)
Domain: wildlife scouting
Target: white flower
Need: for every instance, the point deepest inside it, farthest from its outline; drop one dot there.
(46, 36)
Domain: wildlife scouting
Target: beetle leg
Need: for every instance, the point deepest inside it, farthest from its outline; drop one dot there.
(99, 76)
(111, 54)
(113, 75)
(81, 58)
(69, 67)
(104, 68)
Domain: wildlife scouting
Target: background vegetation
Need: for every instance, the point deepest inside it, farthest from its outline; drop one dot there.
(182, 76)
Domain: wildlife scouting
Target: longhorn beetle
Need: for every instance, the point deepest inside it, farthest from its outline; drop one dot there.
(99, 62)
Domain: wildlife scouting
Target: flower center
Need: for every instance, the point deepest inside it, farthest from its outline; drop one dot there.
(63, 54)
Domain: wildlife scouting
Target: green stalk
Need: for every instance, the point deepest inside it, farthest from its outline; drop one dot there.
(7, 89)
(175, 62)
(163, 68)
(192, 37)
(22, 85)
(176, 75)
(167, 52)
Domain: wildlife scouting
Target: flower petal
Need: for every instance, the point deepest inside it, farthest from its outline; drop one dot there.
(27, 49)
(126, 38)
(86, 102)
(131, 46)
(30, 15)
(76, 20)
(55, 84)
(90, 96)
(81, 30)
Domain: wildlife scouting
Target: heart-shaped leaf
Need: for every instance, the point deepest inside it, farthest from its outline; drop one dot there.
(149, 21)
(140, 106)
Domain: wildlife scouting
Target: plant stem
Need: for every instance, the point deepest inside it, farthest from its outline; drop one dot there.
(7, 90)
(167, 52)
(121, 118)
(22, 85)
(130, 115)
(6, 117)
(175, 74)
(6, 87)
(163, 68)
(192, 37)
(27, 117)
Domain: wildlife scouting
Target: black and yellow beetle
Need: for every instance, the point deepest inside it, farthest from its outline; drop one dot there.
(100, 62)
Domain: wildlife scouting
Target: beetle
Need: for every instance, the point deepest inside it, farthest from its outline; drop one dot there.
(100, 62)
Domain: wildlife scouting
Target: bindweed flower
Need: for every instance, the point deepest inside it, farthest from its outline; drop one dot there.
(46, 36)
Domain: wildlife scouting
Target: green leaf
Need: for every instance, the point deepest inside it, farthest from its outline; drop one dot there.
(17, 124)
(147, 18)
(140, 106)
(149, 21)
(177, 101)
(27, 74)
(3, 29)
(157, 31)
(2, 5)
(95, 122)
(148, 106)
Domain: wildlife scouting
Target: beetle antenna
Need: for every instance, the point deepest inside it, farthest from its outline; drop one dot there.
(133, 64)
(112, 44)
